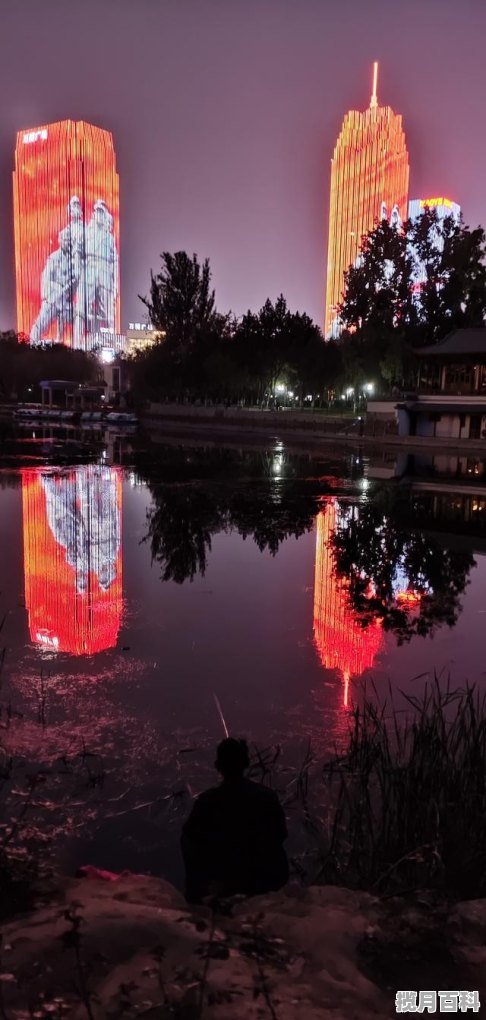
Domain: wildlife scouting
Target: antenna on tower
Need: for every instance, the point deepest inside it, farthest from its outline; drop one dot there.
(374, 98)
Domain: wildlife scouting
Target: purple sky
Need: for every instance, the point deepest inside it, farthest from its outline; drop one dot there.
(225, 114)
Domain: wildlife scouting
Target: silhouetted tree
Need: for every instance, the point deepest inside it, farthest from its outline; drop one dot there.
(273, 345)
(385, 316)
(181, 303)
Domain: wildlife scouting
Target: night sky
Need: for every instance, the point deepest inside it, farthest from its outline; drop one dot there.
(225, 114)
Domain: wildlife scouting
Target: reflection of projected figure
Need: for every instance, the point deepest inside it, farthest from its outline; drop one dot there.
(98, 291)
(341, 641)
(72, 557)
(383, 211)
(82, 521)
(57, 291)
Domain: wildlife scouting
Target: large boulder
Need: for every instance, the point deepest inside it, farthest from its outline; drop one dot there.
(127, 946)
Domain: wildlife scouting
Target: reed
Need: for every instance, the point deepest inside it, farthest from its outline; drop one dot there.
(406, 799)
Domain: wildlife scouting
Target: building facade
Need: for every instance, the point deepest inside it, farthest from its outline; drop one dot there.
(369, 182)
(67, 234)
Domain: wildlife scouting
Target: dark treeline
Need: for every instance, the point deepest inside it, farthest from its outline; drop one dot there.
(269, 497)
(204, 354)
(23, 366)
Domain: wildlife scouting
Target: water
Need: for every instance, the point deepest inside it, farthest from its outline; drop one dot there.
(142, 586)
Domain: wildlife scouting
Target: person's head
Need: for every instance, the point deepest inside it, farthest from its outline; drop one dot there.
(101, 214)
(64, 240)
(232, 758)
(74, 208)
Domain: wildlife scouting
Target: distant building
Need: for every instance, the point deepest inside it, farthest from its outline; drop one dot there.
(444, 207)
(369, 182)
(140, 336)
(66, 218)
(450, 398)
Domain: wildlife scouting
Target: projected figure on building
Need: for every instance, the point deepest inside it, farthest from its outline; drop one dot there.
(395, 218)
(75, 232)
(58, 286)
(72, 557)
(98, 290)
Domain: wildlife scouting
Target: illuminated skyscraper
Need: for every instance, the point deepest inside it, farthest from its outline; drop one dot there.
(66, 218)
(73, 557)
(343, 644)
(369, 182)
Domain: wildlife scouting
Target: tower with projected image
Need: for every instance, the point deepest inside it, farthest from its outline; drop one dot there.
(66, 219)
(369, 182)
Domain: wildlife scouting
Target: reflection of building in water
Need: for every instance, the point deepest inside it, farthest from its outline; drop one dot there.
(73, 557)
(343, 644)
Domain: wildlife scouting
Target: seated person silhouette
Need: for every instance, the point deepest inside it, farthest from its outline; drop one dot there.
(232, 841)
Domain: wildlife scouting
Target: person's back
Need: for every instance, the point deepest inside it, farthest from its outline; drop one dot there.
(233, 840)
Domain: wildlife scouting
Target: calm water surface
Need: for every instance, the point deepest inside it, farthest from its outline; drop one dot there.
(138, 596)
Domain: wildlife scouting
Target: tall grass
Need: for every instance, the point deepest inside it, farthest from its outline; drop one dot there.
(407, 798)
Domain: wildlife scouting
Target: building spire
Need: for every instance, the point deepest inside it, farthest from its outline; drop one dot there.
(374, 98)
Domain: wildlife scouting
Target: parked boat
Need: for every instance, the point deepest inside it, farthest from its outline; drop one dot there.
(121, 418)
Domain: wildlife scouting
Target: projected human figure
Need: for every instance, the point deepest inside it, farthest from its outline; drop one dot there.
(99, 283)
(58, 285)
(395, 218)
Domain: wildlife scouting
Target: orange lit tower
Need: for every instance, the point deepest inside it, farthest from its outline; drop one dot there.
(343, 644)
(66, 220)
(369, 180)
(73, 557)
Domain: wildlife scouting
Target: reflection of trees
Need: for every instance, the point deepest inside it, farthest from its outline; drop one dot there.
(381, 558)
(203, 492)
(183, 519)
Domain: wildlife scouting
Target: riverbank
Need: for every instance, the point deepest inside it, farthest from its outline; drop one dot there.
(313, 427)
(130, 946)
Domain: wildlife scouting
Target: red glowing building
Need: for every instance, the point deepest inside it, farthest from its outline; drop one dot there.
(73, 558)
(343, 644)
(369, 182)
(66, 219)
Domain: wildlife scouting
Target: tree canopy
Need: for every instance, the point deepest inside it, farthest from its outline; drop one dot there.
(204, 354)
(411, 287)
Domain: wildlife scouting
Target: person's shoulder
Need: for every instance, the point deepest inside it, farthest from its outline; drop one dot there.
(264, 793)
(208, 796)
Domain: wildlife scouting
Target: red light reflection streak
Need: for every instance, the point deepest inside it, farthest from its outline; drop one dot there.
(343, 644)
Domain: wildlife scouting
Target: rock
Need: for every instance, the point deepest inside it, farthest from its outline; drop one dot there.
(132, 947)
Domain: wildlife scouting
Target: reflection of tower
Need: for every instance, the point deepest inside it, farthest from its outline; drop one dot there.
(73, 557)
(66, 219)
(343, 644)
(369, 175)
